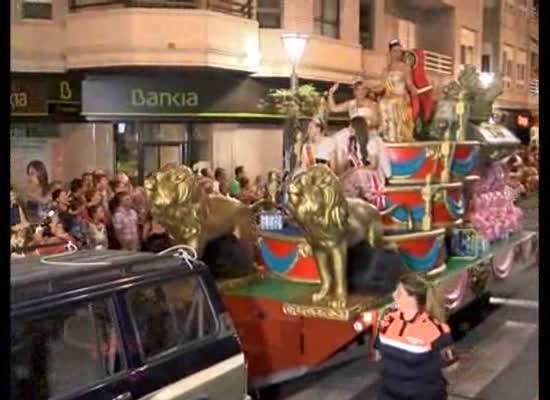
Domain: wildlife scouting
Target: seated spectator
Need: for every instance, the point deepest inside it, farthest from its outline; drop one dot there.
(125, 222)
(246, 194)
(97, 230)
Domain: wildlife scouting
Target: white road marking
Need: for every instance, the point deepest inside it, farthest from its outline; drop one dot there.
(489, 357)
(514, 302)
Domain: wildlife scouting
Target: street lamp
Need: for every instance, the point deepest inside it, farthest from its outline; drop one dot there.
(486, 78)
(295, 45)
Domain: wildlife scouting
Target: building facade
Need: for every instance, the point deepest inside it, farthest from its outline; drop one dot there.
(205, 65)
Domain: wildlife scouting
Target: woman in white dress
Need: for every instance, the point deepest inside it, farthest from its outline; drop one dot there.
(318, 149)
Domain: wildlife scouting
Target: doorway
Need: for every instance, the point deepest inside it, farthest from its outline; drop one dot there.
(155, 155)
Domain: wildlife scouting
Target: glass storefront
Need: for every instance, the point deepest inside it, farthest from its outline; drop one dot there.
(145, 147)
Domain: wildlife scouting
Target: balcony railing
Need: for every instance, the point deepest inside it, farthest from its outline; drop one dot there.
(439, 63)
(239, 8)
(534, 87)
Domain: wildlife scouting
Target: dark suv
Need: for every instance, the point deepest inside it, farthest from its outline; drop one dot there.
(112, 325)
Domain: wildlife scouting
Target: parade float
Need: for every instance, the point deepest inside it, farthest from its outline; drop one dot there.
(447, 212)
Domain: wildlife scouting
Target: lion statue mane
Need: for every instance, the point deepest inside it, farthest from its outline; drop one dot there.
(331, 224)
(178, 201)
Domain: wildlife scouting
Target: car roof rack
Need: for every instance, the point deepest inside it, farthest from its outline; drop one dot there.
(79, 265)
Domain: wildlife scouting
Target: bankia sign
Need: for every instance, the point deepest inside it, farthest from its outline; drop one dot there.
(166, 95)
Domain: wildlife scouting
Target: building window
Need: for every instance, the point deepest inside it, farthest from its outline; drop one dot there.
(485, 63)
(327, 18)
(406, 33)
(521, 68)
(534, 66)
(467, 46)
(507, 66)
(37, 9)
(366, 24)
(269, 13)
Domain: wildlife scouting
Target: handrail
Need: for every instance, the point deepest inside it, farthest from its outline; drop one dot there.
(239, 8)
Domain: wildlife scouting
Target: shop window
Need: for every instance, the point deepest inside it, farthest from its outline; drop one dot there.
(126, 148)
(35, 130)
(63, 351)
(169, 316)
(36, 9)
(269, 13)
(366, 24)
(327, 18)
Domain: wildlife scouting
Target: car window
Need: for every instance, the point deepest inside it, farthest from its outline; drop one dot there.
(64, 350)
(170, 315)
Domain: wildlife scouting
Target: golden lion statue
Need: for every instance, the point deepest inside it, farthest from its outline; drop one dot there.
(179, 202)
(331, 224)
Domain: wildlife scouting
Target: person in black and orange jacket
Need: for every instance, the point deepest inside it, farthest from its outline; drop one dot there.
(410, 342)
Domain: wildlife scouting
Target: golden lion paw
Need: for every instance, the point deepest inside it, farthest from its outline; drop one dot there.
(321, 294)
(338, 303)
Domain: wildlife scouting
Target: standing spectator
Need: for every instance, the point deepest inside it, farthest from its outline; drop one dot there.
(77, 190)
(37, 194)
(102, 188)
(97, 231)
(259, 187)
(155, 237)
(18, 220)
(220, 181)
(87, 181)
(247, 194)
(235, 184)
(411, 341)
(69, 215)
(125, 222)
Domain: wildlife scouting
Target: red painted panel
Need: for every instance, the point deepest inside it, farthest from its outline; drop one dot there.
(403, 153)
(304, 268)
(417, 246)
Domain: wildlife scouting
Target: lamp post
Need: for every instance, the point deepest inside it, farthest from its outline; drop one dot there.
(294, 45)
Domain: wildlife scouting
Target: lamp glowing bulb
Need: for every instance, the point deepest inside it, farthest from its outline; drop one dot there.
(486, 78)
(295, 45)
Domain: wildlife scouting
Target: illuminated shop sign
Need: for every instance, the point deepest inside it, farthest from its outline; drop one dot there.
(44, 95)
(166, 95)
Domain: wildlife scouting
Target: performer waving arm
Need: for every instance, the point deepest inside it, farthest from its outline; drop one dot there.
(332, 106)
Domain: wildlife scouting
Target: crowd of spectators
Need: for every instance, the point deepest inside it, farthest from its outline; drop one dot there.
(98, 211)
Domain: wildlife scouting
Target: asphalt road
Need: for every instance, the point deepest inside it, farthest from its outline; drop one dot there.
(498, 352)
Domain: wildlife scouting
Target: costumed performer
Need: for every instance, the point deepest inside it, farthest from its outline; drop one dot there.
(362, 105)
(396, 106)
(318, 149)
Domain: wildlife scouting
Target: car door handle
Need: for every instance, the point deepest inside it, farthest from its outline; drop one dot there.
(202, 397)
(124, 396)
